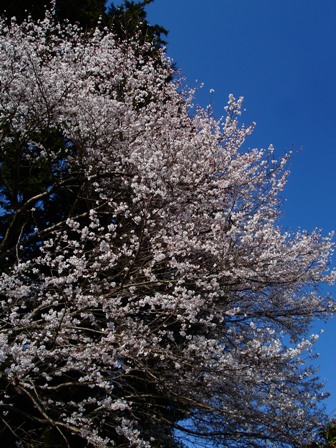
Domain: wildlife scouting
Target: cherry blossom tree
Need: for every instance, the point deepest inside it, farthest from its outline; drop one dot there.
(148, 292)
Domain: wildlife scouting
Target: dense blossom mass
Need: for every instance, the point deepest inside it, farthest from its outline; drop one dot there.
(147, 290)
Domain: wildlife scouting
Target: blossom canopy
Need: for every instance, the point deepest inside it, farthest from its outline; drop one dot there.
(146, 284)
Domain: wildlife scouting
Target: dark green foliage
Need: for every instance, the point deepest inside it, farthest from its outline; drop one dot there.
(85, 12)
(25, 177)
(130, 20)
(20, 8)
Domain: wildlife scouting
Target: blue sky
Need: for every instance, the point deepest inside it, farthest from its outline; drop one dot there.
(281, 56)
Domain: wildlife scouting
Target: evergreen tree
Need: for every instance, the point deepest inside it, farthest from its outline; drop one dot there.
(130, 20)
(84, 12)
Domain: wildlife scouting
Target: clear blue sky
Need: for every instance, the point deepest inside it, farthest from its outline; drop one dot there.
(281, 56)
